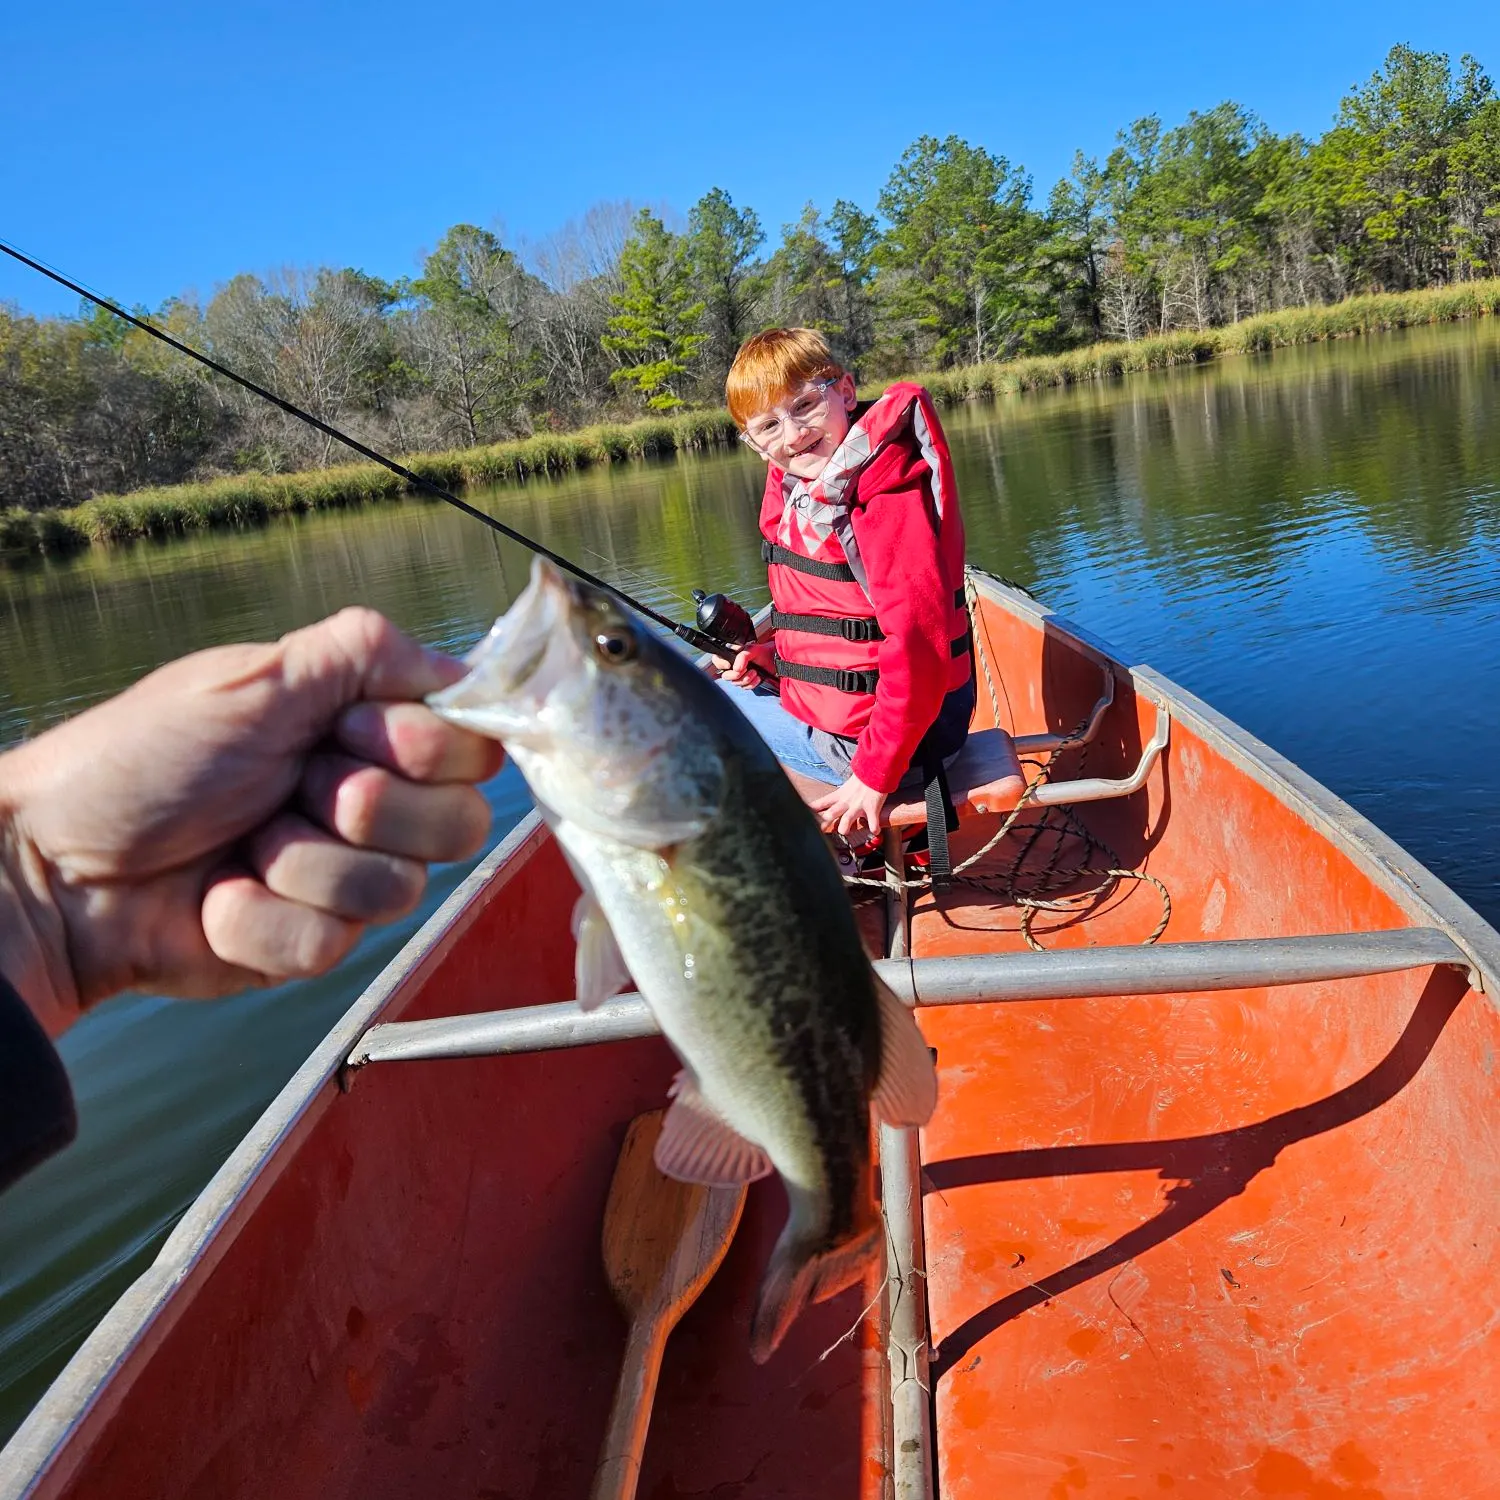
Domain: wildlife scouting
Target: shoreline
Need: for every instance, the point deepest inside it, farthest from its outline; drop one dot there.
(254, 499)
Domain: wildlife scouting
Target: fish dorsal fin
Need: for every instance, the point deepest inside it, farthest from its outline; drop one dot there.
(697, 1145)
(906, 1092)
(598, 969)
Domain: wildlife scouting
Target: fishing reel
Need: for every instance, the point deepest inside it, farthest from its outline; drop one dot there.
(728, 624)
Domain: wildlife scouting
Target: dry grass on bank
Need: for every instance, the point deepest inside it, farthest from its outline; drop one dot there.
(251, 499)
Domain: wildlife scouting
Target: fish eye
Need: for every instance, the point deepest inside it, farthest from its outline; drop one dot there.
(614, 647)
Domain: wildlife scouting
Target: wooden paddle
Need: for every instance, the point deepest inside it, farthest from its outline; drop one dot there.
(663, 1240)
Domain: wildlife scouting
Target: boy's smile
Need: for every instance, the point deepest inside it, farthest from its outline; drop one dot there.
(803, 432)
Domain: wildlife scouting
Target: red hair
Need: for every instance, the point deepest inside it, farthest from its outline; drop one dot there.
(771, 365)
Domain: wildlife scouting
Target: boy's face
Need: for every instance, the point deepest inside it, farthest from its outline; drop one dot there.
(801, 432)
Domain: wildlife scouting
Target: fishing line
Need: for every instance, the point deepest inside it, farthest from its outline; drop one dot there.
(697, 638)
(633, 576)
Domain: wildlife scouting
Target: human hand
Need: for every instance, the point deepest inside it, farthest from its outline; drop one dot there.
(848, 807)
(749, 666)
(236, 818)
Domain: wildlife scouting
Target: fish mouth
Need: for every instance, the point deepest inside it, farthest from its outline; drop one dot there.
(508, 659)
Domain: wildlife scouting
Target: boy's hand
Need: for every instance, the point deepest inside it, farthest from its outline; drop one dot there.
(749, 665)
(850, 806)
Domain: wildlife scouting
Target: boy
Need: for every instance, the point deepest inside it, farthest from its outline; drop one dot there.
(862, 533)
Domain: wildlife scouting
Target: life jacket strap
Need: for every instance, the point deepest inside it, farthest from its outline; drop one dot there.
(848, 627)
(835, 677)
(770, 552)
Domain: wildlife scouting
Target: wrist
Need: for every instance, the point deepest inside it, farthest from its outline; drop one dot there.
(873, 773)
(33, 935)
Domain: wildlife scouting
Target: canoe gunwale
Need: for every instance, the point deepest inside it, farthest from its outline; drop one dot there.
(1420, 893)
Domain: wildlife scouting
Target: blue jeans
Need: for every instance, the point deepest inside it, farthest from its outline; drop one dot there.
(791, 740)
(825, 757)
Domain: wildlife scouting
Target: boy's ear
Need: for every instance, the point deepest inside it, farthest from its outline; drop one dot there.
(845, 388)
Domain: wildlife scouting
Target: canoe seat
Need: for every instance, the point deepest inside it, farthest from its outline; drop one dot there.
(984, 778)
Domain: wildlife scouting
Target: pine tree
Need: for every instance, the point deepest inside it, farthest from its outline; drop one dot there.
(464, 336)
(655, 334)
(721, 245)
(959, 260)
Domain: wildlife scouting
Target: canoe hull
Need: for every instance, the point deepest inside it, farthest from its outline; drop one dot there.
(1217, 1244)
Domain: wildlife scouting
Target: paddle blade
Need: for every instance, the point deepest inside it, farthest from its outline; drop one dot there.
(663, 1239)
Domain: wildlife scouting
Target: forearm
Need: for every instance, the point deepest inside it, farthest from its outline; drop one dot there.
(898, 540)
(33, 937)
(897, 723)
(37, 999)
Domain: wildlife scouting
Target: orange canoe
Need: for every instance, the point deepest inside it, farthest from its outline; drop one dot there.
(1209, 1216)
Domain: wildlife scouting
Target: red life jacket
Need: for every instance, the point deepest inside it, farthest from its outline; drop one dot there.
(821, 541)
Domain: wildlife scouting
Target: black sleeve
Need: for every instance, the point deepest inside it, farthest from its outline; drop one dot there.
(36, 1102)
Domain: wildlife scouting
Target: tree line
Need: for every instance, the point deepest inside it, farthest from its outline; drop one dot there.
(627, 310)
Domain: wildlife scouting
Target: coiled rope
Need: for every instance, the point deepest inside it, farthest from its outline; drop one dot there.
(1032, 889)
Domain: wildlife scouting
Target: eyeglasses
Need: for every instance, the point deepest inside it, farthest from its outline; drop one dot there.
(806, 411)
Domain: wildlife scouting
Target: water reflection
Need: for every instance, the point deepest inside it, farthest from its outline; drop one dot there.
(1308, 541)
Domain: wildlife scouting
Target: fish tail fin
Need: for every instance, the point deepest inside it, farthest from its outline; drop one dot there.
(800, 1272)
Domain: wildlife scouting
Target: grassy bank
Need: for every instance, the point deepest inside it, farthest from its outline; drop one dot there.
(251, 499)
(1279, 330)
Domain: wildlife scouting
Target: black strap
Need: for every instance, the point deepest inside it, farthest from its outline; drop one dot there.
(37, 1116)
(846, 681)
(847, 627)
(833, 572)
(960, 644)
(942, 816)
(834, 677)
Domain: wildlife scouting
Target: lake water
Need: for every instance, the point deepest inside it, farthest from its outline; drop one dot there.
(1310, 541)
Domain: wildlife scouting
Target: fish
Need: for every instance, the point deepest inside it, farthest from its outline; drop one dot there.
(706, 880)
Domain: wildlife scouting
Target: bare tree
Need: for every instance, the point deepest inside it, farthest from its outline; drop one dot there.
(1125, 296)
(579, 267)
(314, 337)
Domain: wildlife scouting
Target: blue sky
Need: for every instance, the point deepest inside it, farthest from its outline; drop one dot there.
(152, 149)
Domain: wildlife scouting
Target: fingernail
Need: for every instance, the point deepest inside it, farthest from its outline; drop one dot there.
(449, 668)
(362, 729)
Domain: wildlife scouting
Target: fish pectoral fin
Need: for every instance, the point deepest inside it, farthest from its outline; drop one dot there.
(696, 1144)
(598, 969)
(906, 1091)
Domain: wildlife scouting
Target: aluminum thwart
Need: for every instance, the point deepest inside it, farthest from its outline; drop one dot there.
(1163, 969)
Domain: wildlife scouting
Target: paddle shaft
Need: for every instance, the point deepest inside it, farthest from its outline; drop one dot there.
(662, 1241)
(620, 1454)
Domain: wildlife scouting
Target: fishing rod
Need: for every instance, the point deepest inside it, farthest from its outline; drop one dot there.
(722, 625)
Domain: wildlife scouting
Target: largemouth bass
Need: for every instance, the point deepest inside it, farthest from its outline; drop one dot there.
(707, 881)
